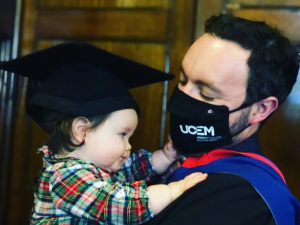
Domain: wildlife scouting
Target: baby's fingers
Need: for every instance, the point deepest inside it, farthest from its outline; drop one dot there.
(193, 179)
(177, 188)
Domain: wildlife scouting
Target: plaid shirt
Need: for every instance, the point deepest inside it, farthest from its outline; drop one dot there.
(71, 191)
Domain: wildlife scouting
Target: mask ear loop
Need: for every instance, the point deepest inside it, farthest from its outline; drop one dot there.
(242, 106)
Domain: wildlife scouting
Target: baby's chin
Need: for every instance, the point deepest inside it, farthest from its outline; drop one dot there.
(116, 167)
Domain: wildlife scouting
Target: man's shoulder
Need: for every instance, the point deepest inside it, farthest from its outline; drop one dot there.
(221, 199)
(227, 186)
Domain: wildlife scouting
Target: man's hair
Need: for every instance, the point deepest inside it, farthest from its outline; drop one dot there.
(60, 137)
(273, 63)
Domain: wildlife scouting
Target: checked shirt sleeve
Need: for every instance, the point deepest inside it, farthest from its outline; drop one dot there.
(81, 192)
(138, 167)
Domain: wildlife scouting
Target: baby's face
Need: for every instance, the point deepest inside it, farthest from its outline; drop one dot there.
(108, 146)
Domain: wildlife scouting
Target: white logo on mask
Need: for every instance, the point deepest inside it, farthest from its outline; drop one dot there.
(197, 130)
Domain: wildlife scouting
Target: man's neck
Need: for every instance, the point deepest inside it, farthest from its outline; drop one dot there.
(250, 144)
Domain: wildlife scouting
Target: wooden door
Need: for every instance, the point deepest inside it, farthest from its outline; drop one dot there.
(153, 32)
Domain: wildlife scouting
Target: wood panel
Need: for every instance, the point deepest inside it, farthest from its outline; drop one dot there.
(271, 3)
(109, 24)
(205, 9)
(284, 20)
(161, 4)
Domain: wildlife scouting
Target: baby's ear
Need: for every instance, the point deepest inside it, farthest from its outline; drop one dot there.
(80, 125)
(263, 109)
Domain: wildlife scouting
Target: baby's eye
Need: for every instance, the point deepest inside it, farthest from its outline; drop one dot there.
(123, 134)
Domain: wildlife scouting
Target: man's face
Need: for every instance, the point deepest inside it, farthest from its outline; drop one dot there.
(216, 71)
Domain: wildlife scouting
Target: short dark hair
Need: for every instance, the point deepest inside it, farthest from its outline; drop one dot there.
(273, 63)
(60, 137)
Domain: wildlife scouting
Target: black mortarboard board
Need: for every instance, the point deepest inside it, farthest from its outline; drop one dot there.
(79, 79)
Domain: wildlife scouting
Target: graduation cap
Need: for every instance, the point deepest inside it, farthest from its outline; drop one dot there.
(79, 79)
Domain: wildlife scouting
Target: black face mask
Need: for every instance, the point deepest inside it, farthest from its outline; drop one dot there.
(198, 127)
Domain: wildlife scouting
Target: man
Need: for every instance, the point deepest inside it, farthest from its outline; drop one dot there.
(233, 78)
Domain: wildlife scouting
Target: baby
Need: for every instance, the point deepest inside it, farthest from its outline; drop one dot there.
(79, 95)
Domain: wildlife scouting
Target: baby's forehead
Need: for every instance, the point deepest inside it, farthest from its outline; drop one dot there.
(125, 118)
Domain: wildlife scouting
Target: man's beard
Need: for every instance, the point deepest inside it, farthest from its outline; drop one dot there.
(239, 126)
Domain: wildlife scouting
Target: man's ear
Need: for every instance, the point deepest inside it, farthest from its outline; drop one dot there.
(263, 109)
(80, 126)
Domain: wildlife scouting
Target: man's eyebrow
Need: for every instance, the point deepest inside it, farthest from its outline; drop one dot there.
(211, 87)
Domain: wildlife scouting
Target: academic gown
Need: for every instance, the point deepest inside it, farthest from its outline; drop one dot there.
(222, 199)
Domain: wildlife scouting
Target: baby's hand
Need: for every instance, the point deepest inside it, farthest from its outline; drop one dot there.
(177, 188)
(160, 195)
(169, 151)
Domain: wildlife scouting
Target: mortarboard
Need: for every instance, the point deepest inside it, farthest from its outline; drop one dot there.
(79, 79)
